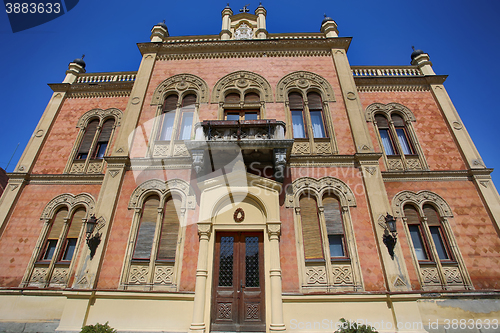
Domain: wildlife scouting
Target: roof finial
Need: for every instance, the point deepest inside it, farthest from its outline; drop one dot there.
(83, 56)
(324, 14)
(245, 9)
(413, 48)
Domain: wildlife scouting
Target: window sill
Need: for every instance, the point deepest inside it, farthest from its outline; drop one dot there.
(340, 260)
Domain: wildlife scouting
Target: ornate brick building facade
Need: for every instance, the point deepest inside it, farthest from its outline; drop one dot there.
(249, 181)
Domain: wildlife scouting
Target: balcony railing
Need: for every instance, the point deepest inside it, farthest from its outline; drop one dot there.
(232, 130)
(385, 71)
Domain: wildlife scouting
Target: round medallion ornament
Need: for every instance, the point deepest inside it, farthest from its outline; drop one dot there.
(181, 85)
(457, 125)
(303, 83)
(239, 215)
(242, 83)
(351, 95)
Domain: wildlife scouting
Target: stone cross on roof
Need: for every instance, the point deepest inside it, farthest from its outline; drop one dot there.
(245, 9)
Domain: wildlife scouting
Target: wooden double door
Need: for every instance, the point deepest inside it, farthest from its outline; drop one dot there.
(238, 284)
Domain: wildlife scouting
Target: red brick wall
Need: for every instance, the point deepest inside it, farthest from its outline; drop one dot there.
(434, 137)
(122, 223)
(61, 138)
(272, 69)
(23, 229)
(473, 229)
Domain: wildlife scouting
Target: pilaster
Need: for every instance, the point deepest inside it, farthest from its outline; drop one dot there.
(134, 105)
(353, 105)
(11, 194)
(472, 158)
(394, 269)
(87, 270)
(198, 324)
(277, 323)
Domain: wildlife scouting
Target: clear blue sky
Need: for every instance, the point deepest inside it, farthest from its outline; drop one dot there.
(461, 38)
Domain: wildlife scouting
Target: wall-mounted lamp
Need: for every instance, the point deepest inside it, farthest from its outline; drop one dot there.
(94, 241)
(390, 234)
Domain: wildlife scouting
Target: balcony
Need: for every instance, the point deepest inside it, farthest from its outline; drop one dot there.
(261, 143)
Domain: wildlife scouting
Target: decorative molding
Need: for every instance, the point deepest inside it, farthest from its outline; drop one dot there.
(101, 115)
(399, 282)
(246, 54)
(426, 175)
(371, 170)
(163, 275)
(113, 173)
(484, 183)
(342, 275)
(430, 276)
(392, 88)
(180, 83)
(452, 275)
(163, 188)
(319, 186)
(388, 109)
(419, 199)
(305, 82)
(71, 202)
(242, 81)
(304, 45)
(316, 275)
(64, 179)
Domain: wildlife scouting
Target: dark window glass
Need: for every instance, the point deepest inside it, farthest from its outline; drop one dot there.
(251, 261)
(50, 249)
(418, 245)
(438, 242)
(251, 116)
(233, 116)
(70, 249)
(336, 245)
(226, 261)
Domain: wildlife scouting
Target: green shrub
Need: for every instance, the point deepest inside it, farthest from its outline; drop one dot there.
(98, 328)
(352, 327)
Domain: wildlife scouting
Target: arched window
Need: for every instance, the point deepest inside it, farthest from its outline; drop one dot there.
(325, 243)
(187, 116)
(154, 241)
(183, 117)
(97, 128)
(401, 132)
(397, 137)
(147, 228)
(316, 113)
(423, 241)
(103, 141)
(54, 234)
(436, 232)
(311, 232)
(169, 110)
(88, 139)
(248, 110)
(334, 227)
(416, 233)
(169, 229)
(297, 110)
